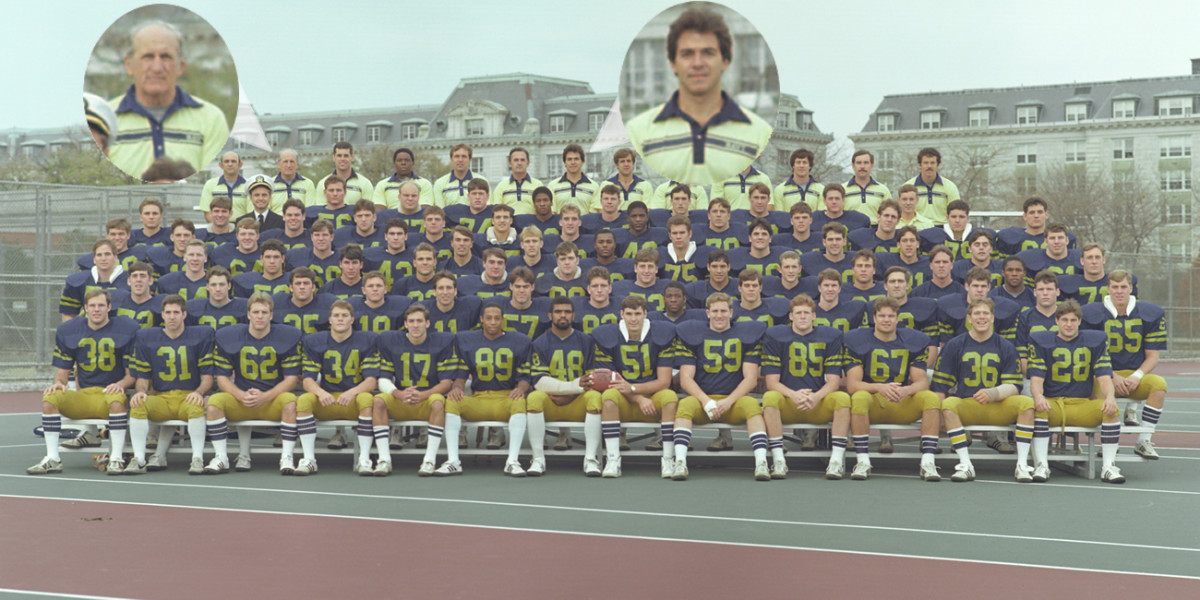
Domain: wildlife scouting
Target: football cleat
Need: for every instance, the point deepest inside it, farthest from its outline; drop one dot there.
(537, 467)
(423, 439)
(929, 473)
(135, 467)
(564, 441)
(217, 466)
(994, 442)
(447, 469)
(612, 468)
(383, 468)
(395, 440)
(47, 466)
(286, 465)
(242, 463)
(779, 470)
(115, 467)
(156, 463)
(668, 468)
(886, 445)
(338, 441)
(808, 440)
(680, 473)
(513, 469)
(1112, 475)
(426, 469)
(87, 439)
(591, 467)
(197, 467)
(495, 439)
(1131, 415)
(963, 473)
(1145, 449)
(307, 466)
(722, 443)
(1041, 473)
(364, 468)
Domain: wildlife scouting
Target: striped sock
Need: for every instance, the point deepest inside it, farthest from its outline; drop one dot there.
(380, 433)
(1110, 436)
(611, 432)
(839, 447)
(52, 432)
(1024, 436)
(683, 439)
(668, 439)
(287, 431)
(958, 441)
(218, 433)
(1041, 441)
(306, 429)
(758, 443)
(435, 441)
(117, 425)
(775, 445)
(1150, 417)
(861, 445)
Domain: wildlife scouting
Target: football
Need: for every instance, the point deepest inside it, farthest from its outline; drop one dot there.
(601, 378)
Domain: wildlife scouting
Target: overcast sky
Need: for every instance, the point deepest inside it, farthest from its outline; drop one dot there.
(839, 58)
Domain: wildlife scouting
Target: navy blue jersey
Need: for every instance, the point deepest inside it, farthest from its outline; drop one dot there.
(690, 314)
(340, 217)
(559, 358)
(593, 222)
(257, 363)
(931, 290)
(653, 294)
(918, 271)
(1085, 292)
(344, 236)
(697, 292)
(802, 361)
(718, 356)
(965, 366)
(339, 366)
(125, 259)
(172, 364)
(338, 288)
(441, 246)
(935, 236)
(139, 237)
(1069, 368)
(867, 238)
(916, 313)
(249, 283)
(585, 245)
(780, 221)
(472, 266)
(545, 264)
(422, 365)
(628, 244)
(232, 258)
(869, 295)
(414, 288)
(70, 303)
(179, 283)
(393, 267)
(1014, 240)
(1024, 298)
(147, 313)
(734, 236)
(415, 221)
(995, 266)
(771, 311)
(773, 287)
(551, 286)
(588, 317)
(952, 314)
(324, 269)
(812, 263)
(851, 220)
(549, 226)
(164, 260)
(301, 240)
(684, 268)
(388, 316)
(886, 362)
(475, 285)
(846, 316)
(1037, 260)
(741, 259)
(98, 356)
(1131, 335)
(618, 269)
(660, 216)
(511, 245)
(477, 222)
(214, 240)
(530, 321)
(464, 315)
(310, 318)
(1030, 322)
(788, 241)
(494, 365)
(202, 312)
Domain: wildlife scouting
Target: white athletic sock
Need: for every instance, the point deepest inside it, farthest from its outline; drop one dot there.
(380, 433)
(166, 434)
(964, 457)
(1108, 453)
(117, 424)
(138, 430)
(306, 429)
(435, 440)
(516, 434)
(927, 460)
(52, 433)
(366, 437)
(220, 446)
(667, 430)
(838, 453)
(683, 437)
(244, 435)
(611, 432)
(196, 429)
(591, 435)
(453, 427)
(760, 455)
(535, 423)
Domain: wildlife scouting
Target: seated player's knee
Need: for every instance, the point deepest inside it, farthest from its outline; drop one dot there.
(841, 400)
(929, 400)
(688, 408)
(116, 408)
(1024, 404)
(1154, 383)
(213, 412)
(535, 401)
(191, 411)
(610, 396)
(378, 403)
(749, 406)
(49, 408)
(289, 410)
(139, 412)
(950, 405)
(1042, 414)
(772, 400)
(860, 402)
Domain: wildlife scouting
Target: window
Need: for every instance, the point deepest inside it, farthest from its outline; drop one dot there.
(29, 151)
(781, 120)
(1077, 111)
(477, 165)
(1123, 182)
(979, 117)
(1177, 214)
(340, 135)
(1027, 115)
(237, 145)
(884, 159)
(1175, 107)
(558, 124)
(1175, 180)
(885, 122)
(593, 162)
(275, 138)
(408, 131)
(931, 120)
(308, 137)
(475, 127)
(554, 165)
(1076, 152)
(804, 121)
(1178, 249)
(1026, 185)
(1123, 149)
(596, 121)
(1026, 154)
(1175, 146)
(1124, 109)
(374, 134)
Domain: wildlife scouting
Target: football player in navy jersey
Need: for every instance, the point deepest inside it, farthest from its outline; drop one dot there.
(257, 365)
(447, 312)
(433, 232)
(940, 282)
(979, 245)
(220, 230)
(759, 255)
(832, 310)
(566, 279)
(801, 238)
(188, 281)
(362, 231)
(243, 255)
(492, 282)
(293, 235)
(501, 234)
(320, 258)
(752, 306)
(1090, 285)
(169, 258)
(609, 214)
(789, 284)
(718, 364)
(675, 309)
(1057, 256)
(96, 348)
(760, 208)
(885, 375)
(531, 256)
(462, 260)
(105, 273)
(543, 217)
(802, 364)
(598, 307)
(718, 280)
(681, 259)
(907, 255)
(605, 255)
(642, 353)
(833, 197)
(271, 280)
(915, 313)
(1014, 240)
(1137, 333)
(883, 237)
(348, 283)
(954, 233)
(138, 302)
(1013, 286)
(719, 232)
(216, 309)
(978, 379)
(570, 223)
(524, 313)
(953, 308)
(152, 233)
(1040, 317)
(117, 232)
(302, 307)
(419, 285)
(638, 234)
(375, 310)
(862, 285)
(678, 204)
(335, 210)
(833, 236)
(646, 283)
(1064, 370)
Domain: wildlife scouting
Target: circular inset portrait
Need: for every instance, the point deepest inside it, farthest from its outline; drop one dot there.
(698, 93)
(160, 93)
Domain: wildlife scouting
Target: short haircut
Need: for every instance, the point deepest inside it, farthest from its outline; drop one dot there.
(673, 285)
(833, 187)
(249, 223)
(342, 304)
(988, 302)
(1032, 202)
(364, 204)
(494, 253)
(531, 231)
(681, 187)
(650, 255)
(598, 272)
(718, 255)
(560, 301)
(885, 302)
(863, 253)
(301, 273)
(396, 223)
(759, 187)
(516, 149)
(610, 190)
(858, 153)
(1045, 276)
(907, 188)
(434, 211)
(416, 308)
(197, 243)
(800, 207)
(334, 180)
(184, 223)
(635, 303)
(829, 274)
(369, 275)
(908, 230)
(151, 202)
(292, 203)
(800, 153)
(837, 228)
(1119, 275)
(1012, 259)
(407, 151)
(460, 146)
(719, 203)
(897, 269)
(888, 204)
(111, 246)
(761, 224)
(1068, 306)
(542, 190)
(927, 151)
(940, 249)
(217, 271)
(981, 233)
(958, 205)
(260, 298)
(424, 247)
(717, 298)
(464, 231)
(748, 275)
(176, 300)
(636, 205)
(977, 274)
(443, 274)
(700, 20)
(92, 293)
(1057, 228)
(522, 274)
(676, 220)
(119, 223)
(343, 146)
(802, 300)
(565, 249)
(141, 267)
(604, 231)
(623, 153)
(1091, 246)
(478, 183)
(351, 252)
(789, 255)
(570, 149)
(502, 208)
(220, 202)
(321, 225)
(570, 208)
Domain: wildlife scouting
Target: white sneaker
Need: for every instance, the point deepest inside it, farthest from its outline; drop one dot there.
(836, 470)
(338, 441)
(448, 469)
(242, 464)
(1145, 449)
(513, 469)
(779, 469)
(115, 467)
(761, 472)
(48, 465)
(680, 472)
(1131, 415)
(383, 468)
(963, 473)
(364, 468)
(426, 469)
(217, 466)
(156, 463)
(87, 439)
(929, 473)
(135, 467)
(668, 468)
(1112, 475)
(591, 467)
(612, 468)
(197, 467)
(286, 464)
(861, 471)
(537, 467)
(1024, 474)
(1041, 473)
(307, 466)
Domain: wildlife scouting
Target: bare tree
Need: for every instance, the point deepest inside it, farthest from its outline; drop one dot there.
(1123, 214)
(972, 167)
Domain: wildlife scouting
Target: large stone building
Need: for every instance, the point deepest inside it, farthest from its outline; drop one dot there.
(1134, 136)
